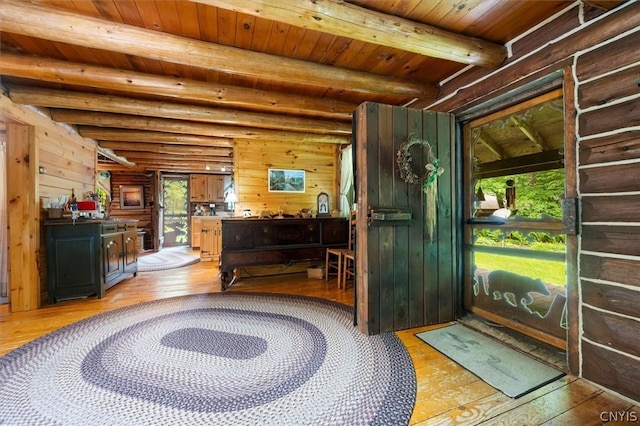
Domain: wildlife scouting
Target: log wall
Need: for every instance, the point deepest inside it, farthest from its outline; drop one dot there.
(143, 216)
(598, 54)
(252, 159)
(609, 185)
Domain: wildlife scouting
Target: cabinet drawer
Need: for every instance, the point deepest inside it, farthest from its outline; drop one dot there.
(335, 232)
(237, 236)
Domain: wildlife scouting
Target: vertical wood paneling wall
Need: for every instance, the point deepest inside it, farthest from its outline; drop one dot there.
(601, 52)
(252, 159)
(70, 162)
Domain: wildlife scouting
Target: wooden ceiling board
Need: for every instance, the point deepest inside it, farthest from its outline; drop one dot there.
(496, 21)
(188, 18)
(244, 31)
(226, 26)
(464, 17)
(207, 21)
(507, 23)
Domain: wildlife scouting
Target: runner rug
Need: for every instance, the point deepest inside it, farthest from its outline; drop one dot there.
(222, 359)
(167, 258)
(511, 372)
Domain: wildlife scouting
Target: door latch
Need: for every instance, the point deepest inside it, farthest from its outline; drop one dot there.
(388, 216)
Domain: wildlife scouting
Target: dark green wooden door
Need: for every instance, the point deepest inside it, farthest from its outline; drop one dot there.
(404, 277)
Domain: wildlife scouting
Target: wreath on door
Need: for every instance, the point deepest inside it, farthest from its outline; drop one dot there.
(428, 180)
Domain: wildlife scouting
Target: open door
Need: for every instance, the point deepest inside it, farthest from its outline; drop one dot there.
(406, 270)
(519, 223)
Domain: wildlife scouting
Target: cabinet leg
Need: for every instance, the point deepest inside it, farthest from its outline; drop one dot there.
(226, 280)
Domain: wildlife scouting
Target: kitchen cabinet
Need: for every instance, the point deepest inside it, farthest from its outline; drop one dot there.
(215, 188)
(196, 231)
(206, 188)
(87, 257)
(211, 239)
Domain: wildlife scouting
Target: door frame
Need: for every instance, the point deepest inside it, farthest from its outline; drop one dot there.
(184, 177)
(561, 79)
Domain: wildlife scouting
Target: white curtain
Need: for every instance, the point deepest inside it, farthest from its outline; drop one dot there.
(346, 181)
(3, 220)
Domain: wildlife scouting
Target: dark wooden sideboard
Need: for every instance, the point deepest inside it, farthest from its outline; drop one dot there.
(87, 257)
(256, 242)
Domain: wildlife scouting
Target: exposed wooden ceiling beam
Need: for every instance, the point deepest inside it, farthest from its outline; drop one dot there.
(143, 136)
(139, 157)
(530, 132)
(161, 148)
(347, 20)
(123, 121)
(53, 98)
(491, 144)
(117, 158)
(59, 25)
(185, 166)
(55, 71)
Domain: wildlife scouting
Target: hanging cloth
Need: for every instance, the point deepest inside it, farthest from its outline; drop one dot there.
(346, 182)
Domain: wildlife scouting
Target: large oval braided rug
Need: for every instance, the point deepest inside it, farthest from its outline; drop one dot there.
(225, 358)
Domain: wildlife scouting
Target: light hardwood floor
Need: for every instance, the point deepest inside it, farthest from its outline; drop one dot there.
(446, 393)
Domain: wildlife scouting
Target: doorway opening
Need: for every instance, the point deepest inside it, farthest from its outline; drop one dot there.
(175, 218)
(515, 272)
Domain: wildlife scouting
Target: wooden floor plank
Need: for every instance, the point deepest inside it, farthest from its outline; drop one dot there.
(610, 409)
(447, 394)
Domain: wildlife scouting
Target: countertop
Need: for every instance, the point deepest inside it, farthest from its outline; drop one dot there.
(85, 221)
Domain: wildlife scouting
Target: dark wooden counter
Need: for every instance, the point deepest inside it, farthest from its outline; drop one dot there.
(256, 242)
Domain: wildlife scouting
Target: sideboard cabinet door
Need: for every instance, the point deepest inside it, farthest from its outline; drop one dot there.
(72, 262)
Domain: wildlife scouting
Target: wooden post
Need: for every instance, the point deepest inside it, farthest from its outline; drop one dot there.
(23, 218)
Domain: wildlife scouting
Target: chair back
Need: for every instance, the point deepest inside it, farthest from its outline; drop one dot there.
(352, 230)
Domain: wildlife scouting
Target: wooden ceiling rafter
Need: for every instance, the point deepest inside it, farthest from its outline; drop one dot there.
(53, 98)
(348, 20)
(133, 122)
(75, 29)
(224, 95)
(142, 72)
(151, 137)
(530, 132)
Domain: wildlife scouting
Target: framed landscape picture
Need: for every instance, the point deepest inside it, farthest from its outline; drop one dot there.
(131, 197)
(281, 180)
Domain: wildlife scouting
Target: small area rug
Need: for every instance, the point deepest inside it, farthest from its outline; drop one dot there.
(167, 258)
(511, 372)
(222, 359)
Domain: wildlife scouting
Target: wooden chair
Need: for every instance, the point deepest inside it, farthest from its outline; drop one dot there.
(348, 256)
(333, 264)
(335, 257)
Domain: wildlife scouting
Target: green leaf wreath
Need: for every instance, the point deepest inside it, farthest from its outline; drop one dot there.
(428, 180)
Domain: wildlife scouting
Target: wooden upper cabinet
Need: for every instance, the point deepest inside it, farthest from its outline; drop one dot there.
(215, 188)
(198, 188)
(206, 188)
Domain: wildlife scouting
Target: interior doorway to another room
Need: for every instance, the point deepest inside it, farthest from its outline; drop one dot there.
(515, 244)
(175, 217)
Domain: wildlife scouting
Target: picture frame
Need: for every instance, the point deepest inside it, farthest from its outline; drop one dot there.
(131, 197)
(323, 205)
(284, 180)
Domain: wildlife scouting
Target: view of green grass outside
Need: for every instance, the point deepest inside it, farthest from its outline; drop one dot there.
(548, 271)
(538, 196)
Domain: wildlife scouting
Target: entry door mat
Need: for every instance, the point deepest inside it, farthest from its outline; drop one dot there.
(511, 372)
